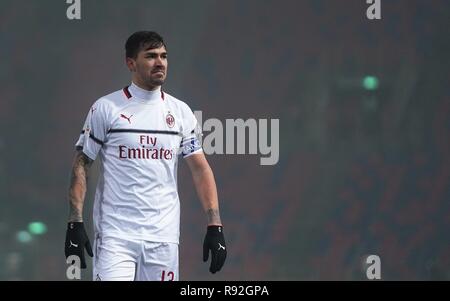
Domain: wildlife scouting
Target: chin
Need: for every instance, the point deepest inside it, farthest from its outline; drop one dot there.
(154, 83)
(158, 82)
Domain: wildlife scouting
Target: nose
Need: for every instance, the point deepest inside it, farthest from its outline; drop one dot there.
(159, 61)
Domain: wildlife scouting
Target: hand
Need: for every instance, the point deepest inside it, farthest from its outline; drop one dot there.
(214, 241)
(76, 241)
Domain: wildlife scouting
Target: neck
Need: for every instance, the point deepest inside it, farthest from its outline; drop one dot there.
(143, 93)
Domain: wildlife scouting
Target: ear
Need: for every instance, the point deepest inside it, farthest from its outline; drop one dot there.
(131, 64)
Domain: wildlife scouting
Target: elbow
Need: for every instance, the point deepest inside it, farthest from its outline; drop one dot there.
(202, 171)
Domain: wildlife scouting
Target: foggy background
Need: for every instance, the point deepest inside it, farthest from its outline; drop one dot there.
(363, 105)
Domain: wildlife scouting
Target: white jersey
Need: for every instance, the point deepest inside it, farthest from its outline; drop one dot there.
(138, 135)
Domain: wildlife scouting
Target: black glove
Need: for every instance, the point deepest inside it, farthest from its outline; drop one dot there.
(76, 241)
(214, 241)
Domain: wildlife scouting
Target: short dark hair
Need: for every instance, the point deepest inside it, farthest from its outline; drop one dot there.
(143, 39)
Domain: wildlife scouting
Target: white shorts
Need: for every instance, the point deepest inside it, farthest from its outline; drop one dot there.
(127, 260)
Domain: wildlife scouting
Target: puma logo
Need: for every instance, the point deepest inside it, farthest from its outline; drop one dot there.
(220, 247)
(72, 244)
(127, 118)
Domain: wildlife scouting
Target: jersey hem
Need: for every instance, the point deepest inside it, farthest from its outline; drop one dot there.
(89, 154)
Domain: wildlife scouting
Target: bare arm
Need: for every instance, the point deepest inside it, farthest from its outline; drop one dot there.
(78, 186)
(206, 186)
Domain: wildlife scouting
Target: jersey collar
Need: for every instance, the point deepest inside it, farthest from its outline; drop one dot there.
(144, 95)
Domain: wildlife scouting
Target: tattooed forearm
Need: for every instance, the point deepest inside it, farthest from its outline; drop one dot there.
(213, 217)
(78, 186)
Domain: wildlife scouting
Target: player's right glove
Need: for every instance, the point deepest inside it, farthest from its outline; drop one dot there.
(215, 241)
(76, 240)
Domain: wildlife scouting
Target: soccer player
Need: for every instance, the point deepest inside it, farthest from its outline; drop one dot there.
(137, 133)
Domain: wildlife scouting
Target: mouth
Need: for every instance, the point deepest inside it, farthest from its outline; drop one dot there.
(158, 72)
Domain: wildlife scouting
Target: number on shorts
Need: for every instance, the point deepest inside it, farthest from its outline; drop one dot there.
(170, 276)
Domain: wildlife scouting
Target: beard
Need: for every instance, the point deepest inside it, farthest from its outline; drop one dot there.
(156, 80)
(149, 77)
(153, 81)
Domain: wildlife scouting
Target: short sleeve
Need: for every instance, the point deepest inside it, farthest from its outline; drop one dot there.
(191, 133)
(94, 130)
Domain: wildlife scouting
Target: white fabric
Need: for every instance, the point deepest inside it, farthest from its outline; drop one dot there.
(136, 195)
(117, 259)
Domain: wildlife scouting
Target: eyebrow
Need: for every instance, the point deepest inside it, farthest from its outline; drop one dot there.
(155, 53)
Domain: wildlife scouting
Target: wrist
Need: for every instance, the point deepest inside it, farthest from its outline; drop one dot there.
(75, 220)
(214, 229)
(213, 217)
(75, 225)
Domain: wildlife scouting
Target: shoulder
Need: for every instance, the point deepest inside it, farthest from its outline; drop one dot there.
(184, 111)
(177, 103)
(111, 101)
(115, 98)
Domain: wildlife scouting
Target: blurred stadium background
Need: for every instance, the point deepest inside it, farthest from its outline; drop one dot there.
(364, 109)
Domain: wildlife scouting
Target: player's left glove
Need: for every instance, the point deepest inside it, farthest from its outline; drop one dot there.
(214, 241)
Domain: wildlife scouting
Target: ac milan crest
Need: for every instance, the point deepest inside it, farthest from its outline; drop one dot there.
(170, 120)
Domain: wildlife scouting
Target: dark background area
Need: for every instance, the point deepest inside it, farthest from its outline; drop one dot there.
(360, 172)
